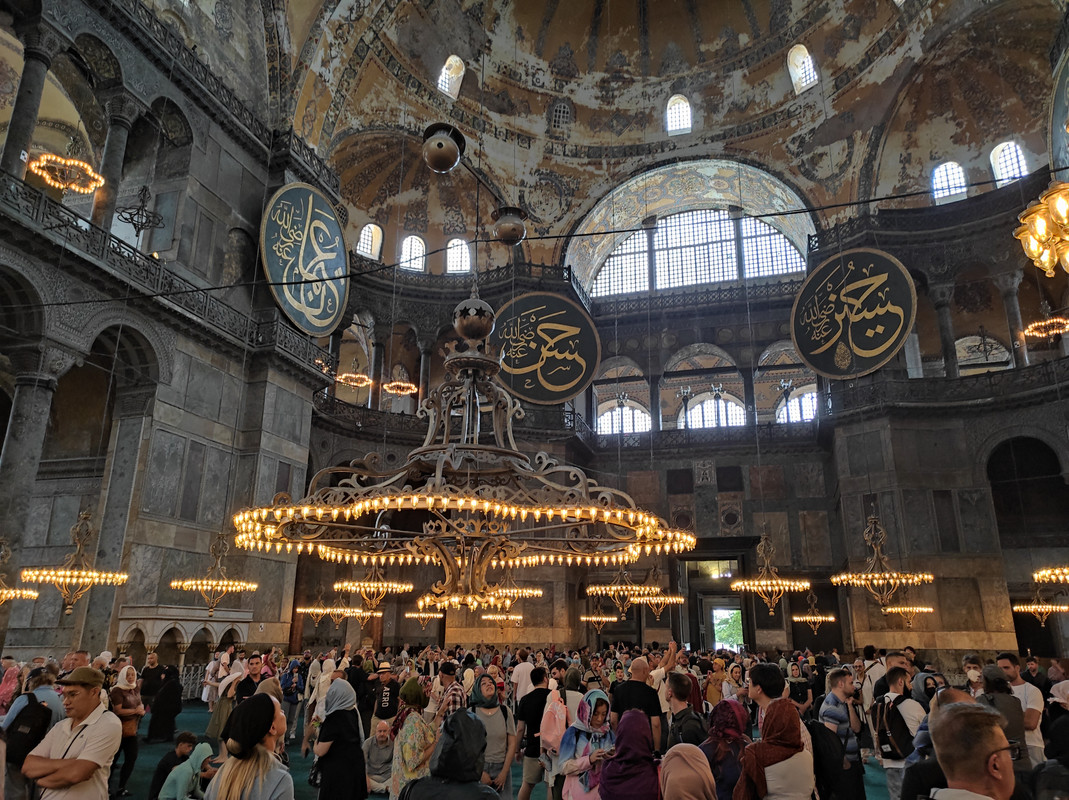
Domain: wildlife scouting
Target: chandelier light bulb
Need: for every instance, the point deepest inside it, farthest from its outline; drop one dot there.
(1047, 260)
(1038, 221)
(1056, 199)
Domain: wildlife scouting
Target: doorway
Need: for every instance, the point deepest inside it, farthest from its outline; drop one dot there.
(721, 625)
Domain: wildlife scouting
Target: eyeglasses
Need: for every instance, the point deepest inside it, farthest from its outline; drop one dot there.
(1015, 750)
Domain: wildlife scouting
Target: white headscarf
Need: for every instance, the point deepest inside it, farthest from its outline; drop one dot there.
(323, 686)
(1059, 693)
(126, 679)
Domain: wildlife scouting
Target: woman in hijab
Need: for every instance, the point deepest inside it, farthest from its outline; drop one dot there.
(318, 701)
(585, 746)
(729, 724)
(801, 695)
(414, 738)
(714, 682)
(165, 708)
(685, 774)
(338, 748)
(127, 706)
(225, 702)
(631, 773)
(733, 683)
(253, 772)
(9, 689)
(777, 766)
(500, 735)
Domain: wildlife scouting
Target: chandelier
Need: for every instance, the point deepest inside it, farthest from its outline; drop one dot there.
(1047, 328)
(504, 620)
(354, 380)
(1044, 229)
(76, 575)
(139, 216)
(11, 592)
(1051, 575)
(657, 601)
(214, 586)
(1041, 609)
(509, 589)
(374, 587)
(621, 590)
(907, 612)
(598, 620)
(878, 578)
(336, 611)
(466, 500)
(400, 387)
(813, 618)
(424, 617)
(768, 585)
(66, 173)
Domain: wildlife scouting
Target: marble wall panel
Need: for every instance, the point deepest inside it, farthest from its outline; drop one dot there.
(158, 492)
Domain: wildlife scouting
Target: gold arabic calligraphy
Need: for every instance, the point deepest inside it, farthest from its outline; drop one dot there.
(853, 312)
(533, 343)
(307, 248)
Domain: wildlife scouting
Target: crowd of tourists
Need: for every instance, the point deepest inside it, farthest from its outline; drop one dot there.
(625, 723)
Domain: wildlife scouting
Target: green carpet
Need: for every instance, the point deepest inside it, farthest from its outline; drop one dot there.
(194, 717)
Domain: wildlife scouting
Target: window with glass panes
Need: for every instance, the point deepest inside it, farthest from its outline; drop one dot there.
(413, 252)
(623, 419)
(800, 408)
(626, 269)
(1008, 162)
(948, 180)
(457, 256)
(677, 116)
(716, 412)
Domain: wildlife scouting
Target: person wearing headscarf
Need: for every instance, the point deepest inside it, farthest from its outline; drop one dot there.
(292, 683)
(414, 738)
(166, 707)
(456, 764)
(801, 694)
(685, 774)
(224, 705)
(184, 780)
(733, 683)
(9, 689)
(777, 766)
(714, 682)
(338, 748)
(999, 696)
(500, 735)
(253, 772)
(573, 691)
(319, 698)
(1058, 735)
(586, 745)
(729, 724)
(631, 772)
(924, 687)
(127, 706)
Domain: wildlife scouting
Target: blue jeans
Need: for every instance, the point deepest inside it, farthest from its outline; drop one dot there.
(493, 770)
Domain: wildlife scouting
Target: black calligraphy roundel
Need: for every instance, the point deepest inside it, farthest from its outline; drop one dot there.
(305, 258)
(853, 313)
(550, 348)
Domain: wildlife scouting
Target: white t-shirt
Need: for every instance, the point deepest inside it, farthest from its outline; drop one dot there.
(96, 739)
(521, 679)
(913, 713)
(656, 680)
(1030, 697)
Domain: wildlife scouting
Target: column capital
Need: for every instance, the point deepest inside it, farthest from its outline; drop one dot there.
(380, 334)
(941, 293)
(43, 363)
(41, 41)
(122, 108)
(1008, 282)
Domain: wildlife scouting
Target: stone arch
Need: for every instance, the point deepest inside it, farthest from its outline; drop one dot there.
(1053, 438)
(22, 311)
(1027, 479)
(167, 647)
(697, 354)
(231, 636)
(715, 367)
(147, 346)
(200, 647)
(135, 646)
(620, 367)
(105, 70)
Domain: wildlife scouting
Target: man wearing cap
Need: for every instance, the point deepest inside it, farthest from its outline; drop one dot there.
(387, 696)
(453, 696)
(72, 761)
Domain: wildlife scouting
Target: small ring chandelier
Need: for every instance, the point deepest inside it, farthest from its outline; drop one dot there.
(768, 585)
(467, 500)
(11, 592)
(1039, 607)
(813, 617)
(878, 578)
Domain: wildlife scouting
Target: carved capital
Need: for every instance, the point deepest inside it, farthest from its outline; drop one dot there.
(380, 334)
(150, 647)
(41, 42)
(122, 108)
(1008, 282)
(44, 363)
(941, 294)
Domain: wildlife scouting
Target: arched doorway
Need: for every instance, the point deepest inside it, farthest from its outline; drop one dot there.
(167, 649)
(199, 651)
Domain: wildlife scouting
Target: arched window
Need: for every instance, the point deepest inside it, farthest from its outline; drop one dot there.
(802, 69)
(413, 253)
(677, 115)
(370, 242)
(948, 182)
(1007, 162)
(457, 256)
(623, 419)
(626, 269)
(766, 251)
(714, 411)
(561, 114)
(450, 77)
(800, 407)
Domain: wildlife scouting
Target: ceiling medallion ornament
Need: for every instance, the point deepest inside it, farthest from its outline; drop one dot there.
(768, 585)
(76, 575)
(466, 500)
(878, 578)
(11, 592)
(214, 586)
(813, 618)
(66, 174)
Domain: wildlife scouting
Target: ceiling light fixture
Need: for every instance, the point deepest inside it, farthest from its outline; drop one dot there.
(424, 617)
(11, 592)
(214, 586)
(878, 578)
(813, 618)
(66, 174)
(1044, 229)
(768, 585)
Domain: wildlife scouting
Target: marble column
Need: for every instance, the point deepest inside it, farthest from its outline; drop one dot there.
(378, 356)
(941, 294)
(425, 349)
(40, 44)
(1007, 284)
(121, 109)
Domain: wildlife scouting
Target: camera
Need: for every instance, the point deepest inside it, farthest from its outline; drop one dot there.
(857, 695)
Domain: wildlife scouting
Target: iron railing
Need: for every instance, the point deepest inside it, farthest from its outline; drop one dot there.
(772, 435)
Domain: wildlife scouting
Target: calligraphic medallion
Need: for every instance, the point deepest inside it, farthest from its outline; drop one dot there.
(305, 258)
(550, 348)
(853, 313)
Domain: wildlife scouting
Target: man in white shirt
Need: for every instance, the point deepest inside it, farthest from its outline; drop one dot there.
(660, 666)
(973, 752)
(521, 676)
(913, 714)
(73, 760)
(1031, 701)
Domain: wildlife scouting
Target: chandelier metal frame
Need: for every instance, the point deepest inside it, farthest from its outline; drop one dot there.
(621, 591)
(467, 500)
(139, 215)
(907, 612)
(76, 575)
(813, 617)
(66, 173)
(657, 602)
(374, 587)
(424, 617)
(878, 578)
(11, 592)
(769, 585)
(214, 586)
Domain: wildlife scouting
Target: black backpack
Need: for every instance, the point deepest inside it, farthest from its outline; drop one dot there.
(828, 757)
(893, 738)
(461, 750)
(27, 730)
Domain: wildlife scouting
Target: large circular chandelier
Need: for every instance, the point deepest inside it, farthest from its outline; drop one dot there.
(76, 575)
(466, 500)
(878, 578)
(621, 590)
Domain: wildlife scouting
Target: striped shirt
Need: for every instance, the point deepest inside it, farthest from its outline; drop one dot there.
(835, 711)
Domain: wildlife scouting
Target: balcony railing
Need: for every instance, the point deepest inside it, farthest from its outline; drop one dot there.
(771, 435)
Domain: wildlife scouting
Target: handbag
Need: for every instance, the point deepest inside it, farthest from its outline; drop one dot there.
(315, 776)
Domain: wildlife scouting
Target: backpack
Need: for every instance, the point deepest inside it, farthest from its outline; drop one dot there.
(828, 756)
(893, 738)
(461, 750)
(554, 723)
(1050, 780)
(27, 730)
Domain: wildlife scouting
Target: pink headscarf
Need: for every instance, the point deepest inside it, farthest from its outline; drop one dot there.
(8, 687)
